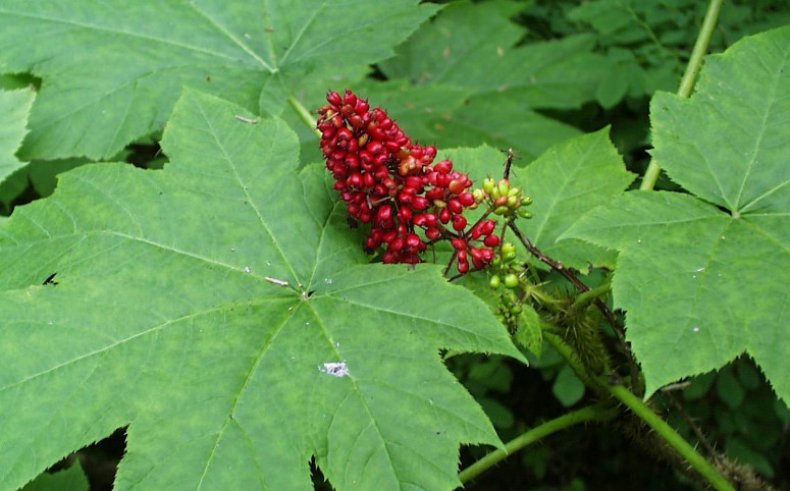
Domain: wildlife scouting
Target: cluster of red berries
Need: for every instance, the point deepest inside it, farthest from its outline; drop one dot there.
(391, 183)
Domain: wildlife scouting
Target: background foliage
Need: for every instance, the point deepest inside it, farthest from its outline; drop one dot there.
(554, 80)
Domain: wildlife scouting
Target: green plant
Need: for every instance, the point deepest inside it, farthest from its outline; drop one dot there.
(221, 306)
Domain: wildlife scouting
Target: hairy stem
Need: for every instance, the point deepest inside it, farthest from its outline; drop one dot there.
(597, 412)
(308, 119)
(643, 412)
(584, 298)
(694, 459)
(571, 276)
(689, 78)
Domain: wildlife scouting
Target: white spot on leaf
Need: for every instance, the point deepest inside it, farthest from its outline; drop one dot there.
(336, 369)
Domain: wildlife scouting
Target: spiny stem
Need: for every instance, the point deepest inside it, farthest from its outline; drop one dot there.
(694, 459)
(566, 351)
(571, 276)
(641, 410)
(689, 78)
(304, 114)
(695, 428)
(597, 412)
(584, 298)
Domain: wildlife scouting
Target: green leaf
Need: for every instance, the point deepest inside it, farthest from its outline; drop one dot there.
(530, 333)
(10, 81)
(567, 388)
(504, 121)
(71, 479)
(14, 111)
(728, 144)
(448, 117)
(566, 182)
(221, 309)
(473, 45)
(728, 388)
(700, 285)
(139, 55)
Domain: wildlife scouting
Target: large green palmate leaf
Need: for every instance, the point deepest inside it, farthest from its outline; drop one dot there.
(14, 111)
(700, 283)
(472, 45)
(139, 54)
(222, 310)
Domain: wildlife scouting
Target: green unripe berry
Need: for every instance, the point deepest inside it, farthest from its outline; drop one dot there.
(516, 309)
(494, 282)
(513, 201)
(509, 256)
(479, 195)
(488, 185)
(503, 187)
(508, 248)
(526, 200)
(523, 213)
(501, 210)
(514, 192)
(511, 280)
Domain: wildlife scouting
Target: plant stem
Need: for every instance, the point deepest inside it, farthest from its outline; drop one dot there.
(694, 459)
(304, 114)
(566, 351)
(641, 410)
(584, 298)
(571, 276)
(689, 78)
(597, 412)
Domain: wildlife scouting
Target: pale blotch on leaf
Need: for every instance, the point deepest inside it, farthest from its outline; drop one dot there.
(336, 369)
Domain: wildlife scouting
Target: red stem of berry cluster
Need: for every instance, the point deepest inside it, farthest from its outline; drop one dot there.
(392, 184)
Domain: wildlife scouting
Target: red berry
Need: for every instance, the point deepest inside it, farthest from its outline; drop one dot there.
(443, 167)
(445, 215)
(413, 241)
(458, 244)
(491, 241)
(455, 206)
(419, 203)
(459, 222)
(334, 98)
(466, 199)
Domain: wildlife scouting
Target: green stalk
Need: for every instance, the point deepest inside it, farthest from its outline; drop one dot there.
(695, 460)
(585, 298)
(689, 78)
(597, 412)
(308, 119)
(640, 409)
